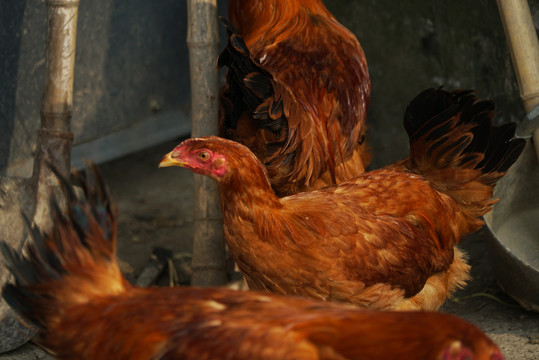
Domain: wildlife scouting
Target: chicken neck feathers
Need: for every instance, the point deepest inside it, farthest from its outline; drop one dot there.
(297, 94)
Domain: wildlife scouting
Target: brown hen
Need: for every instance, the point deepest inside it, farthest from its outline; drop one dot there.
(70, 287)
(297, 92)
(383, 240)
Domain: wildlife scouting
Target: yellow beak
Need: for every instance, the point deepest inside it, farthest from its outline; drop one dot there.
(168, 160)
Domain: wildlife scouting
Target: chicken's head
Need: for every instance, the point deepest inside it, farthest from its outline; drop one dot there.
(199, 156)
(457, 351)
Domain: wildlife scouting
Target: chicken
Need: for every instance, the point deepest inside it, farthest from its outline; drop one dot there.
(69, 285)
(383, 240)
(297, 92)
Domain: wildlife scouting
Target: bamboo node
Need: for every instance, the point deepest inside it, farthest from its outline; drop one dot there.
(529, 96)
(68, 135)
(62, 3)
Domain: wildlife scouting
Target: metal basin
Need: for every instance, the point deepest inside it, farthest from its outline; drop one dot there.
(514, 228)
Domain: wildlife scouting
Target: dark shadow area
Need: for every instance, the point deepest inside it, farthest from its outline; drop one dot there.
(11, 16)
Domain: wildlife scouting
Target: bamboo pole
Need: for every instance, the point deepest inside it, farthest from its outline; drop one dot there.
(55, 137)
(53, 145)
(203, 41)
(524, 47)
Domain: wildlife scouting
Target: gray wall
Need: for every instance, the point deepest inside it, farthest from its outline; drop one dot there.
(132, 67)
(415, 44)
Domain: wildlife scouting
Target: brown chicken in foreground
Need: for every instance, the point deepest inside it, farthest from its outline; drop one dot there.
(69, 285)
(296, 93)
(383, 240)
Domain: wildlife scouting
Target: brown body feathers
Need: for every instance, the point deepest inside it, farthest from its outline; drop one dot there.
(297, 92)
(385, 239)
(70, 287)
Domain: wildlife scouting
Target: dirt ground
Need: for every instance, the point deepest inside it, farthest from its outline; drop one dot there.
(155, 210)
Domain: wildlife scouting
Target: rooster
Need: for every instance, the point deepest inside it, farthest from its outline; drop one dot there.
(69, 285)
(383, 240)
(297, 92)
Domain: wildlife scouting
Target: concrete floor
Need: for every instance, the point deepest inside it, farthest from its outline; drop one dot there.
(155, 210)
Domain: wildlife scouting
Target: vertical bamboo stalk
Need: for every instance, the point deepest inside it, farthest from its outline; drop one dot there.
(203, 41)
(55, 137)
(53, 144)
(524, 47)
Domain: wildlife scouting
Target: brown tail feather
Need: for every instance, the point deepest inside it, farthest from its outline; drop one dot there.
(72, 263)
(454, 145)
(251, 87)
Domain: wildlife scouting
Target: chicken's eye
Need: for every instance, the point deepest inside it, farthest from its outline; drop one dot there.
(203, 155)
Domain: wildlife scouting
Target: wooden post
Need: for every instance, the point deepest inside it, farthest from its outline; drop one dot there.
(203, 42)
(55, 137)
(524, 47)
(31, 196)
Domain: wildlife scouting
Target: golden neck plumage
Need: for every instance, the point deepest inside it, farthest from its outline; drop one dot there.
(256, 19)
(246, 185)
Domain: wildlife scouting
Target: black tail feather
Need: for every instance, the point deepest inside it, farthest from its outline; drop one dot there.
(39, 274)
(251, 87)
(461, 124)
(18, 296)
(15, 263)
(503, 150)
(23, 301)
